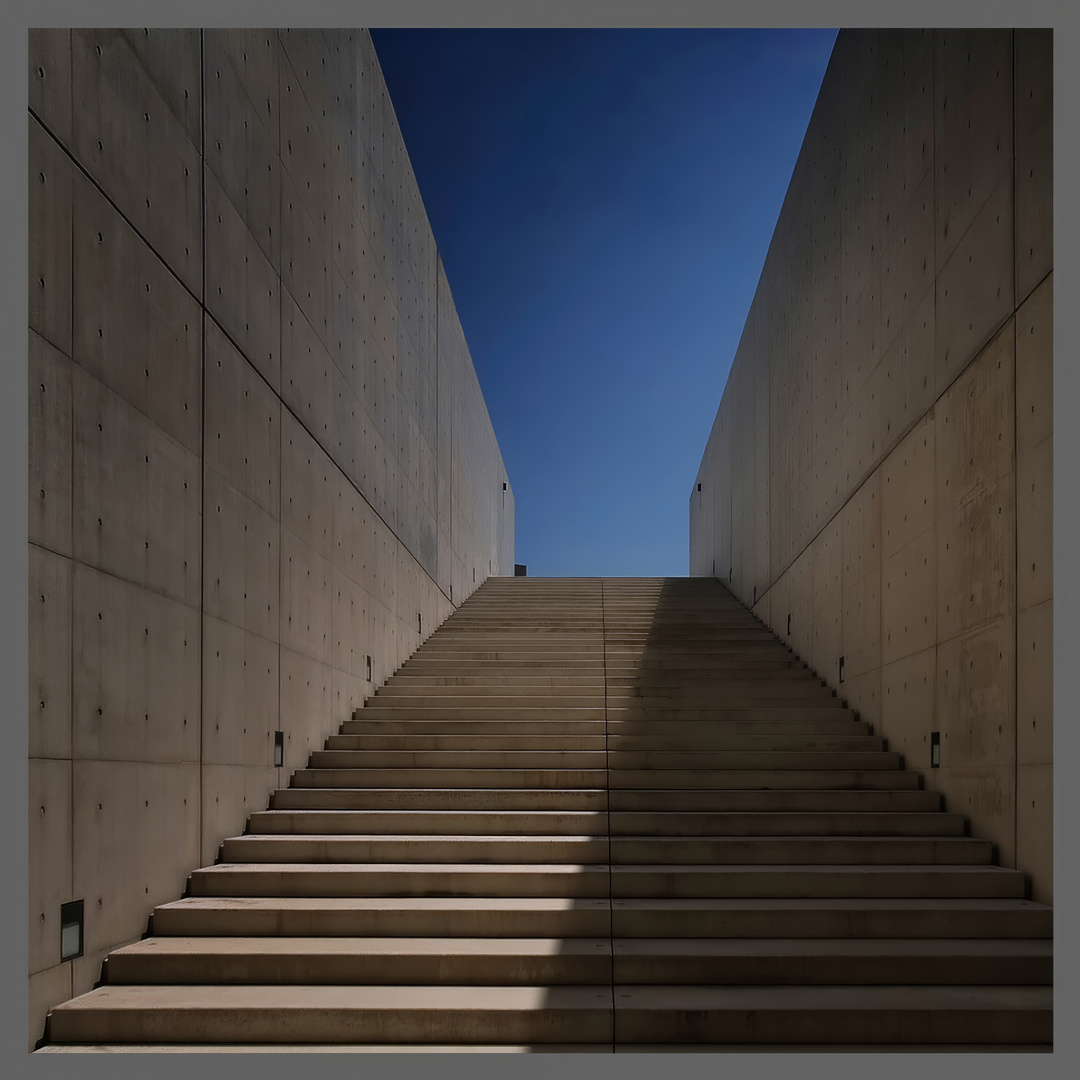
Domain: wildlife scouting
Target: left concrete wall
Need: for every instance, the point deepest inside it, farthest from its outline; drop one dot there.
(259, 453)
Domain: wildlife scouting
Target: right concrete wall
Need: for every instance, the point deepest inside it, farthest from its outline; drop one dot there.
(877, 484)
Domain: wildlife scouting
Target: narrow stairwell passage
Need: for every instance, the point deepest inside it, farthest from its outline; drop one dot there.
(592, 814)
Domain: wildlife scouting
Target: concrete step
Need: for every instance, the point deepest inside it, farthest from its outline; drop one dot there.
(827, 1014)
(405, 726)
(579, 823)
(830, 917)
(335, 1014)
(843, 961)
(458, 759)
(401, 879)
(429, 916)
(827, 720)
(598, 879)
(764, 778)
(719, 760)
(733, 917)
(452, 848)
(775, 800)
(488, 743)
(544, 800)
(429, 822)
(814, 881)
(554, 779)
(595, 847)
(372, 711)
(453, 961)
(790, 823)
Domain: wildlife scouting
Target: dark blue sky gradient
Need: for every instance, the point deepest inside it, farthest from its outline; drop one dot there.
(603, 202)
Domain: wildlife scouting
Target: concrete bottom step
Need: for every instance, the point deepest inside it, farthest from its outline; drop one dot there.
(336, 1014)
(810, 1015)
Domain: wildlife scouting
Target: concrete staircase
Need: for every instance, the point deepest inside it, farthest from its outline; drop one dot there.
(591, 815)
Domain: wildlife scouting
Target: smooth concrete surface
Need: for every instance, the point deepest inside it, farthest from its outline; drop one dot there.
(726, 880)
(877, 482)
(259, 454)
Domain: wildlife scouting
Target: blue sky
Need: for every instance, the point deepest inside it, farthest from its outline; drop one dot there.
(603, 201)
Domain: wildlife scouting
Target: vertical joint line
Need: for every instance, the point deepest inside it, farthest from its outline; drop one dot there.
(607, 809)
(202, 423)
(1016, 502)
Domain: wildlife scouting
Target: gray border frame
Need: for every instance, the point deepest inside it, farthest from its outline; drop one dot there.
(1062, 15)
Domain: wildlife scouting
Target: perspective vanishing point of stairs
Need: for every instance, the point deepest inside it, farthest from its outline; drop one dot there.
(591, 814)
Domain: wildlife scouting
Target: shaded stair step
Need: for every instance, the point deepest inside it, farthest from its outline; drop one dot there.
(825, 1014)
(899, 961)
(812, 881)
(764, 778)
(867, 851)
(653, 800)
(791, 823)
(831, 917)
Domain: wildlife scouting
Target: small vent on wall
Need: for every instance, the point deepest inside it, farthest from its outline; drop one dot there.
(520, 570)
(935, 749)
(789, 624)
(367, 668)
(841, 665)
(279, 749)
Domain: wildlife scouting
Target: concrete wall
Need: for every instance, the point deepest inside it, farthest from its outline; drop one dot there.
(258, 449)
(880, 467)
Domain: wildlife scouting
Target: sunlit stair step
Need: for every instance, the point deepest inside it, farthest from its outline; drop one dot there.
(329, 916)
(430, 822)
(483, 961)
(592, 800)
(335, 1014)
(452, 848)
(400, 879)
